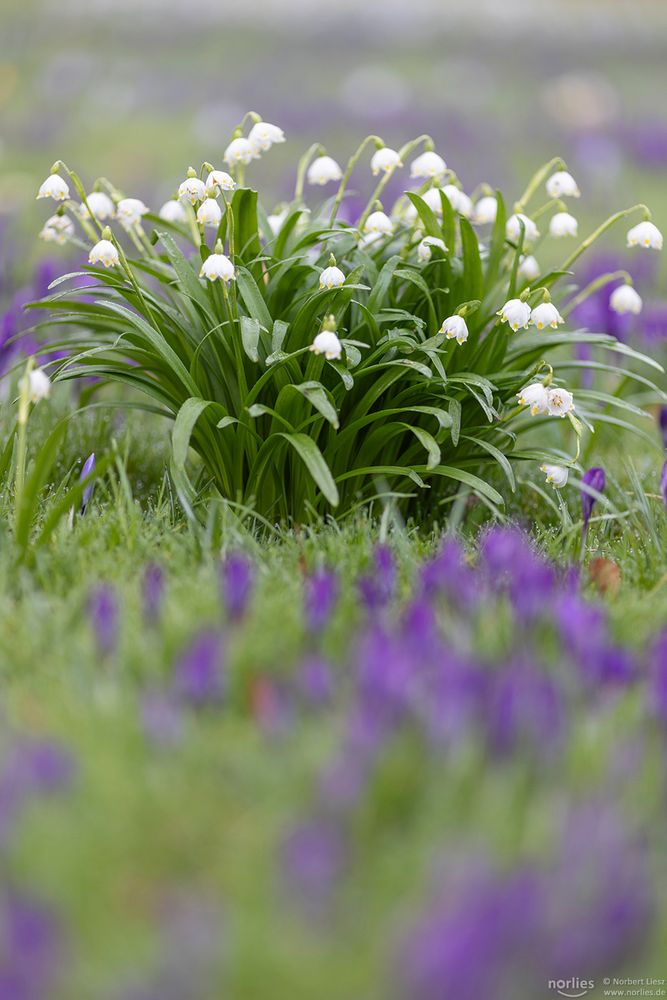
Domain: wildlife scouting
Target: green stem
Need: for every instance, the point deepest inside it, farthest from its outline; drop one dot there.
(22, 438)
(403, 153)
(593, 286)
(607, 224)
(538, 177)
(351, 164)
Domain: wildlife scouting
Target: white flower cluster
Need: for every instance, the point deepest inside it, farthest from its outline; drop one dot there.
(519, 315)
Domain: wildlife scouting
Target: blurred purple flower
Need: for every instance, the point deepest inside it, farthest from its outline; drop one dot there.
(512, 564)
(88, 467)
(312, 863)
(448, 574)
(161, 719)
(657, 689)
(31, 948)
(525, 708)
(153, 592)
(595, 478)
(377, 586)
(663, 483)
(30, 768)
(321, 594)
(198, 677)
(236, 584)
(662, 421)
(103, 611)
(315, 681)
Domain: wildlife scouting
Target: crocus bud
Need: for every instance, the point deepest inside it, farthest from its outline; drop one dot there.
(237, 581)
(556, 475)
(320, 598)
(625, 299)
(323, 170)
(455, 327)
(88, 467)
(645, 234)
(516, 313)
(595, 478)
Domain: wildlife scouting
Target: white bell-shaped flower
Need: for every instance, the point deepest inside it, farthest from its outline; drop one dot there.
(239, 151)
(385, 160)
(428, 164)
(424, 251)
(263, 135)
(562, 185)
(101, 206)
(645, 234)
(192, 189)
(379, 223)
(486, 210)
(561, 402)
(331, 277)
(516, 313)
(39, 385)
(276, 220)
(323, 170)
(217, 267)
(556, 475)
(563, 224)
(455, 328)
(534, 396)
(528, 269)
(173, 211)
(459, 200)
(219, 180)
(54, 187)
(513, 229)
(625, 299)
(327, 343)
(57, 229)
(545, 315)
(130, 211)
(104, 252)
(209, 213)
(433, 200)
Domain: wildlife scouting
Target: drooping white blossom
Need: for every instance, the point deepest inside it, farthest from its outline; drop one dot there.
(100, 204)
(486, 210)
(385, 160)
(563, 224)
(57, 229)
(323, 170)
(455, 328)
(561, 402)
(239, 151)
(39, 385)
(562, 185)
(130, 211)
(645, 234)
(219, 180)
(218, 267)
(428, 164)
(209, 213)
(327, 343)
(625, 299)
(380, 223)
(556, 475)
(459, 200)
(54, 187)
(276, 221)
(433, 200)
(513, 229)
(545, 315)
(263, 135)
(424, 251)
(173, 211)
(104, 252)
(528, 268)
(536, 397)
(192, 189)
(516, 313)
(332, 277)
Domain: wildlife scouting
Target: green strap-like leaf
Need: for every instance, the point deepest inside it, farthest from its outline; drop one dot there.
(313, 459)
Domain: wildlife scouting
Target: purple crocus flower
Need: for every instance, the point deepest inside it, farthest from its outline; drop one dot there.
(161, 719)
(315, 681)
(236, 584)
(153, 591)
(88, 467)
(662, 420)
(31, 768)
(312, 863)
(663, 483)
(377, 587)
(524, 707)
(320, 598)
(198, 678)
(448, 574)
(103, 610)
(595, 478)
(30, 948)
(658, 679)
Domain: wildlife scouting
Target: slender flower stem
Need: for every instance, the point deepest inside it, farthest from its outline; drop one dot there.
(607, 224)
(22, 438)
(593, 286)
(351, 164)
(384, 180)
(538, 177)
(81, 191)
